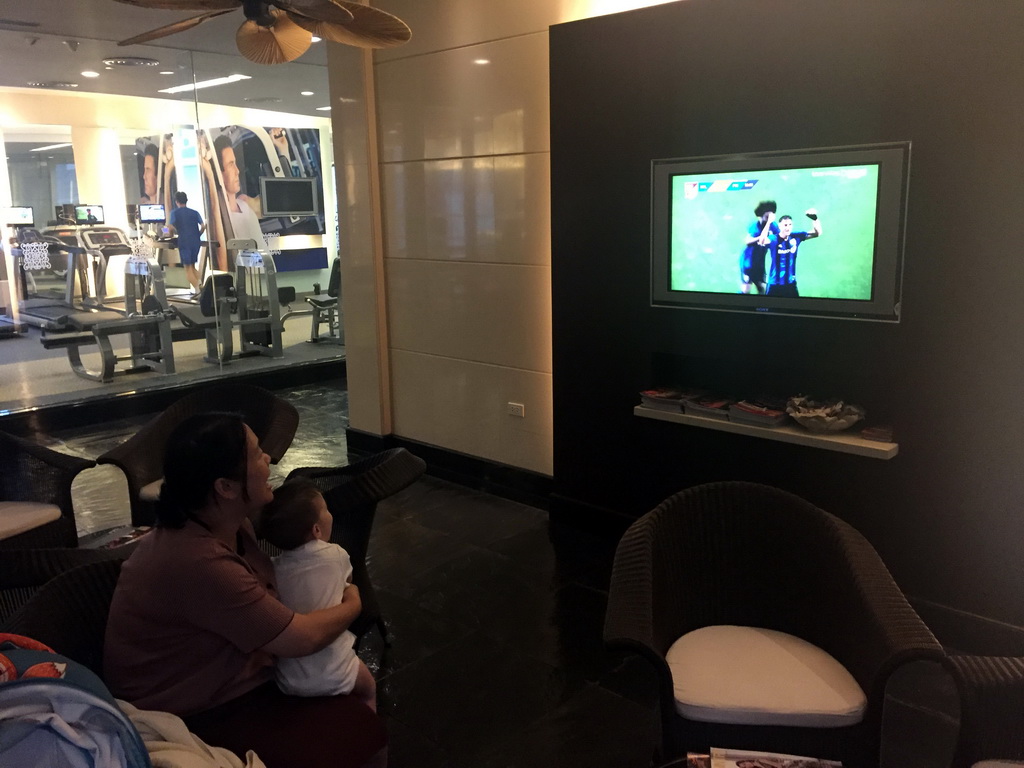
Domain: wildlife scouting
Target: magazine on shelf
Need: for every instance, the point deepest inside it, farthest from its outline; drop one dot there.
(737, 758)
(710, 406)
(758, 412)
(664, 399)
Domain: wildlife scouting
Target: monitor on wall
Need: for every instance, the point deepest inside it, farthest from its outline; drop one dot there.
(88, 214)
(289, 196)
(19, 216)
(815, 232)
(152, 214)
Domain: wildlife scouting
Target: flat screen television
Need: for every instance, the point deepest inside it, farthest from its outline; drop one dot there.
(152, 214)
(295, 196)
(815, 232)
(88, 214)
(19, 216)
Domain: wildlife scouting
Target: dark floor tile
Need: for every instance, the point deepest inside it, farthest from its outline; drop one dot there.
(413, 633)
(402, 550)
(409, 749)
(535, 559)
(474, 693)
(594, 728)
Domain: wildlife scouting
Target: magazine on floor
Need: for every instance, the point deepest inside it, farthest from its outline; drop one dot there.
(737, 758)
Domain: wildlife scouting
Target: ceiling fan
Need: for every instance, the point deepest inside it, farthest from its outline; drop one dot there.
(276, 31)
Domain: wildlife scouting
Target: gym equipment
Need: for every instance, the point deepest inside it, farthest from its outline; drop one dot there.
(147, 324)
(325, 308)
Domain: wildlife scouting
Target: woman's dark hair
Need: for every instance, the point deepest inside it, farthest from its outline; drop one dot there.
(287, 521)
(201, 449)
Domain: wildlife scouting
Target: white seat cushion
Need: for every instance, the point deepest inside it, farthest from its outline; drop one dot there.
(20, 516)
(752, 676)
(151, 492)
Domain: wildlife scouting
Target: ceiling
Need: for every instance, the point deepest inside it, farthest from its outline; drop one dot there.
(53, 41)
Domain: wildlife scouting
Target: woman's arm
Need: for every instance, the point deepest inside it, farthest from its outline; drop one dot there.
(310, 632)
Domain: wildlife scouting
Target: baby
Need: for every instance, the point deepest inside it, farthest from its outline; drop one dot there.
(312, 573)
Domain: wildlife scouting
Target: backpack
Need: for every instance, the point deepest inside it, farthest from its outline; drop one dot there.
(56, 713)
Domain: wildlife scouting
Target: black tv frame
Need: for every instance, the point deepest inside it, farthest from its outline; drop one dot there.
(21, 224)
(100, 219)
(893, 160)
(313, 182)
(144, 220)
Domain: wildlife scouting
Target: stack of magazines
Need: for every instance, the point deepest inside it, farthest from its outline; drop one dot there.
(734, 758)
(710, 406)
(759, 412)
(663, 399)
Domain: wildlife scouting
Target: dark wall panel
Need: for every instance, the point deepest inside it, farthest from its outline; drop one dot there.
(706, 77)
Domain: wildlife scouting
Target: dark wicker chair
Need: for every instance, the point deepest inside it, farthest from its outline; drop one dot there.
(69, 613)
(24, 571)
(991, 692)
(31, 472)
(141, 457)
(352, 493)
(749, 555)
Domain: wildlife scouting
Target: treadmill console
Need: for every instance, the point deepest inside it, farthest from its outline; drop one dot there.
(95, 238)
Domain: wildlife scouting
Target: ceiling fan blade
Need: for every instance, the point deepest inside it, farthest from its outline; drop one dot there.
(185, 5)
(282, 41)
(317, 10)
(171, 29)
(369, 28)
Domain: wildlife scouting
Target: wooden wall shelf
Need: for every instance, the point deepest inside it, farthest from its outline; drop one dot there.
(839, 441)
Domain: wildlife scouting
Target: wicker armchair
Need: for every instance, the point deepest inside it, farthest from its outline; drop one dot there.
(141, 457)
(69, 613)
(749, 555)
(32, 473)
(991, 692)
(352, 493)
(23, 572)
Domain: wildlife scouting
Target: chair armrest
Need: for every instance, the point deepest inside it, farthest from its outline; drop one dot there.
(991, 692)
(32, 472)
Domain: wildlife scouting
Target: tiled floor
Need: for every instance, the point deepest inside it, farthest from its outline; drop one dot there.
(495, 616)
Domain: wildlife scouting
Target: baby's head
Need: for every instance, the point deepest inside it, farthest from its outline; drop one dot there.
(297, 514)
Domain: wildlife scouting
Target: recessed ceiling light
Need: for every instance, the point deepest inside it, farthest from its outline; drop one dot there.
(316, 39)
(131, 61)
(90, 73)
(49, 146)
(307, 93)
(65, 86)
(323, 109)
(481, 61)
(204, 84)
(167, 72)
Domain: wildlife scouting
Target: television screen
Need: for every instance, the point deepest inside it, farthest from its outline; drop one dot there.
(289, 196)
(152, 214)
(88, 214)
(19, 216)
(814, 232)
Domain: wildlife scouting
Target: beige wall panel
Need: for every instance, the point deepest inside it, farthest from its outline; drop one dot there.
(462, 406)
(360, 293)
(443, 24)
(445, 105)
(490, 313)
(493, 209)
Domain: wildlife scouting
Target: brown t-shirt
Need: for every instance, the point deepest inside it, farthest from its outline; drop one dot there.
(188, 618)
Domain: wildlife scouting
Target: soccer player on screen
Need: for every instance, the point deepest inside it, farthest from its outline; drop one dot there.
(752, 258)
(783, 247)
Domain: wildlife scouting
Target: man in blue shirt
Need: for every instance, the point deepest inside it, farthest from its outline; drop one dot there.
(188, 225)
(783, 248)
(752, 258)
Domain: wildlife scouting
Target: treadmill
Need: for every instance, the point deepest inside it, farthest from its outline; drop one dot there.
(52, 272)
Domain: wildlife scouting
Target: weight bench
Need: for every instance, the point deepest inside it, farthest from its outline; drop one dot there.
(143, 329)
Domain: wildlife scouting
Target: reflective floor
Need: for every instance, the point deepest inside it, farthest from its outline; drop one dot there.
(495, 615)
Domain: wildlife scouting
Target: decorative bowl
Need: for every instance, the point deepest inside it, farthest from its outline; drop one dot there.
(824, 415)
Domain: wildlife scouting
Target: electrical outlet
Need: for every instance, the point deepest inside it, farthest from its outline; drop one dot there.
(516, 409)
